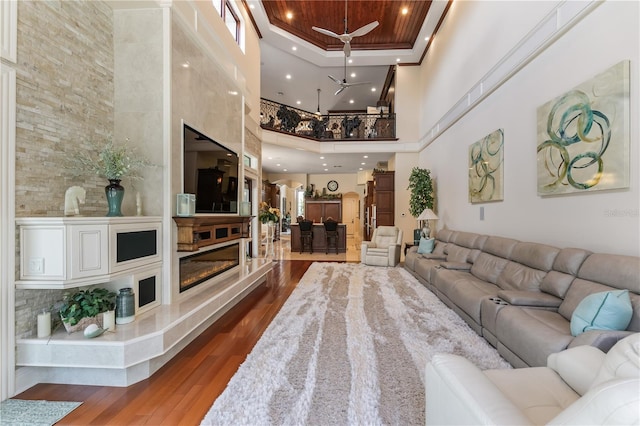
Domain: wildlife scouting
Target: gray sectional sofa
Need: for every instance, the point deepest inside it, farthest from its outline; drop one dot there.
(520, 296)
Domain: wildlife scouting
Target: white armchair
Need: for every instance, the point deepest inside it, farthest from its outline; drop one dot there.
(581, 385)
(384, 247)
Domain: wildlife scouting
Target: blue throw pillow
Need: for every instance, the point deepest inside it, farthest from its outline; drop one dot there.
(426, 245)
(608, 310)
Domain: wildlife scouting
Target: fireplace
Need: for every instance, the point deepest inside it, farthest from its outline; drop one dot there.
(198, 268)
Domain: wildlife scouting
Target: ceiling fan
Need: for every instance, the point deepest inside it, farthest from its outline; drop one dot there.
(343, 83)
(347, 37)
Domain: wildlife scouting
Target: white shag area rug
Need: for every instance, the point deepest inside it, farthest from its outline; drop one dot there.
(349, 346)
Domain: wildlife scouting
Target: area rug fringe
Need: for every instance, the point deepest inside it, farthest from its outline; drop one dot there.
(349, 346)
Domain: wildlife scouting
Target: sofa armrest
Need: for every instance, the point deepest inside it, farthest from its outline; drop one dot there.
(529, 298)
(456, 266)
(614, 402)
(601, 339)
(457, 392)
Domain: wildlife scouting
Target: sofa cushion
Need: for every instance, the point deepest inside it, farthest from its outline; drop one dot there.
(515, 276)
(457, 253)
(488, 267)
(569, 260)
(426, 245)
(532, 334)
(499, 246)
(536, 256)
(538, 392)
(622, 361)
(444, 235)
(609, 310)
(556, 283)
(622, 272)
(466, 239)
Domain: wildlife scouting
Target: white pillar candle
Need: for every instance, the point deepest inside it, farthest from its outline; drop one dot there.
(109, 320)
(44, 324)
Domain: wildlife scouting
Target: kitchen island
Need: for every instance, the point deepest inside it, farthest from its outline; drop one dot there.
(319, 238)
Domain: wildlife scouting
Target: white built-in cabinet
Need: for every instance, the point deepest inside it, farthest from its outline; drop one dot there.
(67, 252)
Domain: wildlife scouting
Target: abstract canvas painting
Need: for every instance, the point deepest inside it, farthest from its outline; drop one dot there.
(486, 168)
(583, 136)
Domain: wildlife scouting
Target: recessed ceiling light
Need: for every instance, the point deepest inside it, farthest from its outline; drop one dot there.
(289, 75)
(373, 89)
(350, 61)
(284, 170)
(270, 158)
(326, 170)
(289, 15)
(365, 156)
(351, 101)
(322, 158)
(186, 64)
(353, 74)
(324, 164)
(298, 102)
(252, 6)
(426, 38)
(278, 165)
(294, 48)
(397, 59)
(363, 163)
(360, 168)
(405, 10)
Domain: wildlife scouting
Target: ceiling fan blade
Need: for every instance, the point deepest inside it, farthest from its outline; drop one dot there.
(364, 30)
(326, 32)
(360, 83)
(340, 90)
(347, 49)
(335, 79)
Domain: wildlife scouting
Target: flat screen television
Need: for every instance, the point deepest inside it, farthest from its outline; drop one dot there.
(210, 172)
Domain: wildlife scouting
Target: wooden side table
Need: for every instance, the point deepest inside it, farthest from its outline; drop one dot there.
(407, 246)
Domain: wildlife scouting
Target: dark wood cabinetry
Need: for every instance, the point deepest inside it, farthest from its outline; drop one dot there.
(319, 210)
(380, 193)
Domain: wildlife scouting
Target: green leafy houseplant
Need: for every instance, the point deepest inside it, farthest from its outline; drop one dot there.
(421, 188)
(113, 162)
(86, 304)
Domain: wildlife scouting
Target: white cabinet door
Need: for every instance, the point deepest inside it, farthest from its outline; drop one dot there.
(89, 250)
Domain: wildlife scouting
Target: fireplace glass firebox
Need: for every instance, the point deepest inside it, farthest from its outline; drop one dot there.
(200, 267)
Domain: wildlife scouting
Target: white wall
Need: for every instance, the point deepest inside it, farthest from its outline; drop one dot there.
(606, 36)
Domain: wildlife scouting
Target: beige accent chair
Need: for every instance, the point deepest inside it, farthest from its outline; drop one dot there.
(581, 385)
(384, 247)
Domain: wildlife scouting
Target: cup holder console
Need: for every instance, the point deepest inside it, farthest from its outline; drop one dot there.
(498, 301)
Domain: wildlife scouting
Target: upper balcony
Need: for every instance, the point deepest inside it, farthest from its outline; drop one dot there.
(351, 126)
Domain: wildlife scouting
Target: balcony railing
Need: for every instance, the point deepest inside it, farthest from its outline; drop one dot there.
(335, 126)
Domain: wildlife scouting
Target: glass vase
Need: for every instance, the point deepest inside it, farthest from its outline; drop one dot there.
(115, 193)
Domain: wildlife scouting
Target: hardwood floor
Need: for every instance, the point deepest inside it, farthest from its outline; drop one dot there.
(183, 390)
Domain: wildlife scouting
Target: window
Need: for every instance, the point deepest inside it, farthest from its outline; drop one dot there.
(231, 20)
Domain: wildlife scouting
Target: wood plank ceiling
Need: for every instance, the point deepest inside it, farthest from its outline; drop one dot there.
(396, 30)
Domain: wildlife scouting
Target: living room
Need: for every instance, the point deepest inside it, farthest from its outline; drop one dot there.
(64, 101)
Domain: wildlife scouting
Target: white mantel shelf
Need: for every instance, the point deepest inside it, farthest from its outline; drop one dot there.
(136, 350)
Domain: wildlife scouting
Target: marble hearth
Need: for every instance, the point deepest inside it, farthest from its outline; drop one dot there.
(134, 351)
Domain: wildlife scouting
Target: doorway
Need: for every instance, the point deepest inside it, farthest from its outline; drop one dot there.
(351, 213)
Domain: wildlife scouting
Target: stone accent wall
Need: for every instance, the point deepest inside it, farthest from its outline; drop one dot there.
(64, 99)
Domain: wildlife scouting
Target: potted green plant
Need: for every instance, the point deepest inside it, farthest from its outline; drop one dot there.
(421, 197)
(85, 307)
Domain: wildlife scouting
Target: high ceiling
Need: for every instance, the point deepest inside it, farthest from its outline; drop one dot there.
(296, 60)
(396, 30)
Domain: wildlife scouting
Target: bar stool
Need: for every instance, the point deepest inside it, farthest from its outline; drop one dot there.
(306, 235)
(331, 234)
